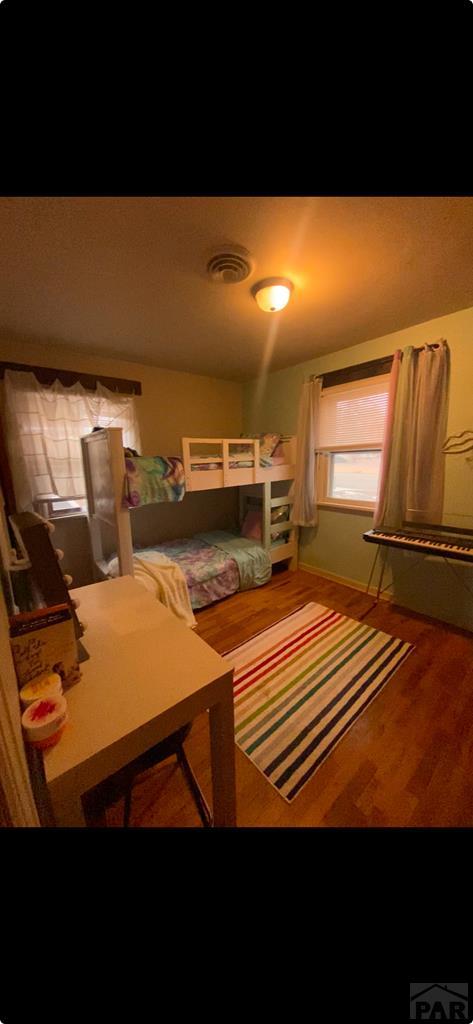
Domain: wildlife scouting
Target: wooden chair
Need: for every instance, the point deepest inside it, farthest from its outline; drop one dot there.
(120, 785)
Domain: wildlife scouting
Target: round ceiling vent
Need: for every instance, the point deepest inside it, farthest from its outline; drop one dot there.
(229, 267)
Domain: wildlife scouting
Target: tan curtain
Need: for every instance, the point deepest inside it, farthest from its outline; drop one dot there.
(304, 511)
(412, 474)
(388, 495)
(428, 427)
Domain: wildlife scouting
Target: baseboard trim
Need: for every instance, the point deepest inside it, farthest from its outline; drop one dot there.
(344, 580)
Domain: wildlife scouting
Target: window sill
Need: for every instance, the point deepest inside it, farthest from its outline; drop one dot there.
(346, 507)
(66, 515)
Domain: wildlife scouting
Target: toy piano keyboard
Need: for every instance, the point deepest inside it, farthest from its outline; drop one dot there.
(436, 540)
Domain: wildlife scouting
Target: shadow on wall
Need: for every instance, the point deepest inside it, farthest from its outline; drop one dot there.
(71, 534)
(307, 536)
(196, 513)
(433, 587)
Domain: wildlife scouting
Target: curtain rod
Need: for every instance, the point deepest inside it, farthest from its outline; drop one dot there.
(46, 375)
(373, 368)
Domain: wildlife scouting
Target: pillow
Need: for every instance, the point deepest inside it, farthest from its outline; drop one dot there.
(251, 526)
(267, 443)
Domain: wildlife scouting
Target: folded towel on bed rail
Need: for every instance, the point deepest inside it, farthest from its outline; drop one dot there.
(254, 563)
(151, 479)
(164, 579)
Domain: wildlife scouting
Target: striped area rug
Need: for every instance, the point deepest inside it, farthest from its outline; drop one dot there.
(300, 684)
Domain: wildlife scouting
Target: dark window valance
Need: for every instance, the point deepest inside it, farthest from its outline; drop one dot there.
(374, 368)
(45, 375)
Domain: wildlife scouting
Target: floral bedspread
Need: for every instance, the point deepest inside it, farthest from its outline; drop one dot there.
(254, 563)
(150, 479)
(210, 573)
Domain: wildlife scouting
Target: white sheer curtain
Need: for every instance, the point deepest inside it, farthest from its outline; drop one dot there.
(413, 463)
(44, 427)
(304, 510)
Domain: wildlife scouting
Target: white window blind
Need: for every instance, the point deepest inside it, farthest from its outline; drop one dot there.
(353, 414)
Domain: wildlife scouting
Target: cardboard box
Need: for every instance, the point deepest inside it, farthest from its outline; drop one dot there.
(44, 641)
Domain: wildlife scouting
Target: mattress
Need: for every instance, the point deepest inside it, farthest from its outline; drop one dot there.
(210, 573)
(266, 462)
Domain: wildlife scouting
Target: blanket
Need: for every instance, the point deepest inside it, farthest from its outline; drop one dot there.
(164, 579)
(150, 479)
(254, 563)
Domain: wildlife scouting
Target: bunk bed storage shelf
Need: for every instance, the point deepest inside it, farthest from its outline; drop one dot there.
(284, 552)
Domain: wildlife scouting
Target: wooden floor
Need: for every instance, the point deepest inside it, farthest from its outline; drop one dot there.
(407, 761)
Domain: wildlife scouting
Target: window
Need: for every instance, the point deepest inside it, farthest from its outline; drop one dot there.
(350, 433)
(52, 505)
(44, 428)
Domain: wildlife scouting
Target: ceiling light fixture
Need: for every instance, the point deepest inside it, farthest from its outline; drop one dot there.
(273, 293)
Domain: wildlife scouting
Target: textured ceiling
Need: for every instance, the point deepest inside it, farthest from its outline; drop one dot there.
(126, 277)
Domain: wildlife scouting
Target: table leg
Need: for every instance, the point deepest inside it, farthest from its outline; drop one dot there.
(222, 751)
(68, 811)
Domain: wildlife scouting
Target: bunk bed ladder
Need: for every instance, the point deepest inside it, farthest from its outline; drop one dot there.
(261, 496)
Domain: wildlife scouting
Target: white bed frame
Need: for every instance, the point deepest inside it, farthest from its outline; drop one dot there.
(110, 526)
(208, 479)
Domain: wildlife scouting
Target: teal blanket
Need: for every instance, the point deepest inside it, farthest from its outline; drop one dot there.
(254, 563)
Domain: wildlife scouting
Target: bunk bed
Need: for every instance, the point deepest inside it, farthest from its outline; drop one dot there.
(214, 564)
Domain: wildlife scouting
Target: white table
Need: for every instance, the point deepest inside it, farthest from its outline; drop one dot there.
(148, 674)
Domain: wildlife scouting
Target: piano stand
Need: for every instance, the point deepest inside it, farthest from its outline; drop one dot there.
(384, 556)
(458, 552)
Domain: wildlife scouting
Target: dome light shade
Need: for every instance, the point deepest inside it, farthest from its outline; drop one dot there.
(273, 293)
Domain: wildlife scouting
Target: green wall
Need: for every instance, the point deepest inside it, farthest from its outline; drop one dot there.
(336, 545)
